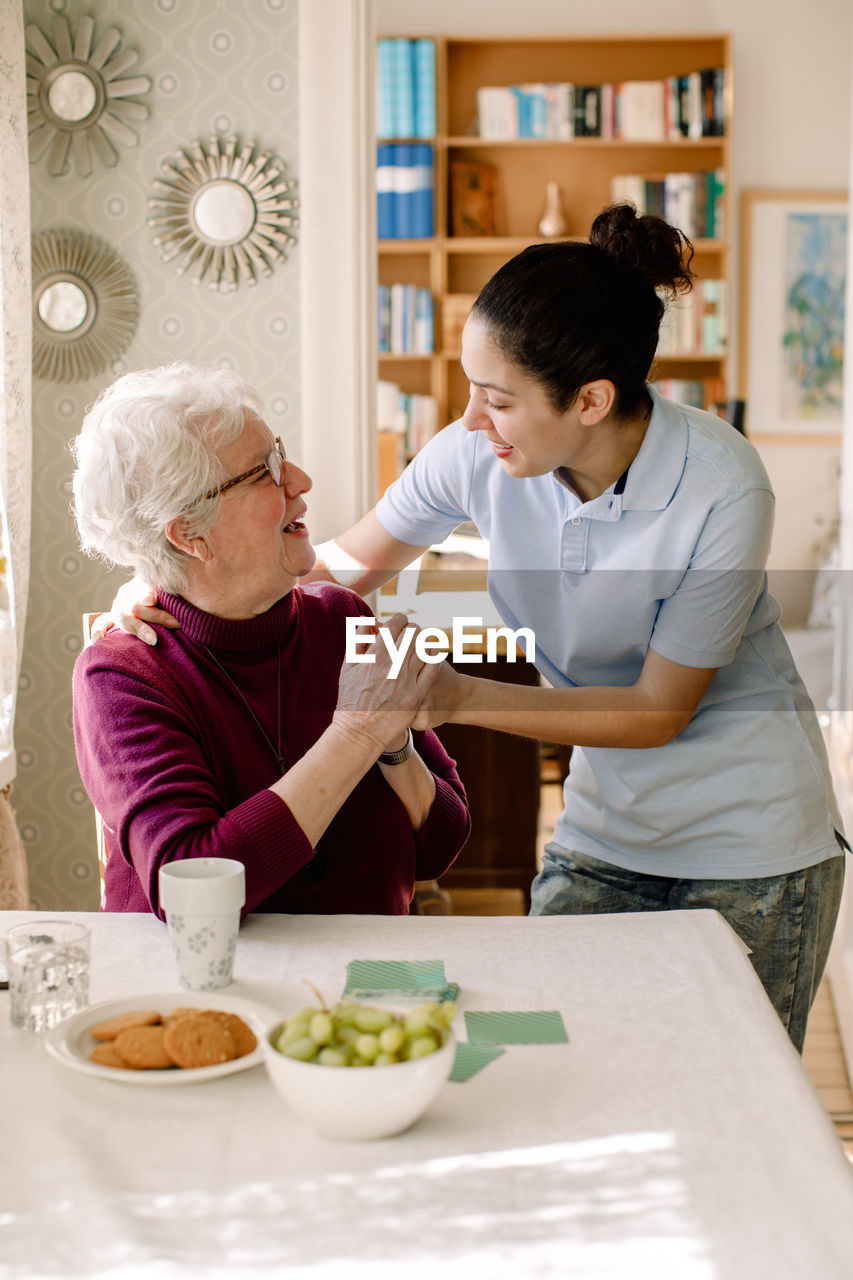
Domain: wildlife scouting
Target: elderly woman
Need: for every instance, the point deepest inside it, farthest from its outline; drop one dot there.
(242, 734)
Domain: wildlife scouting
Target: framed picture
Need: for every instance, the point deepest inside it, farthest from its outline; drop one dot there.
(793, 277)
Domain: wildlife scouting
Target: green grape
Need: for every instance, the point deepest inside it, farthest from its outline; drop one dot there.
(421, 1046)
(446, 1013)
(321, 1028)
(294, 1029)
(344, 1013)
(373, 1020)
(367, 1046)
(392, 1039)
(333, 1057)
(357, 1035)
(303, 1050)
(420, 1018)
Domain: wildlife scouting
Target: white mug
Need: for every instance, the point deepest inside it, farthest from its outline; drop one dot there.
(201, 898)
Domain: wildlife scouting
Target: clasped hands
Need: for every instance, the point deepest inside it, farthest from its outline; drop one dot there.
(373, 700)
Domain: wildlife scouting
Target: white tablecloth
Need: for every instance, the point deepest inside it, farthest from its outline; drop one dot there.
(675, 1136)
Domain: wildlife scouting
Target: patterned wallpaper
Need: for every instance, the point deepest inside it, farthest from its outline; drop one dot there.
(216, 66)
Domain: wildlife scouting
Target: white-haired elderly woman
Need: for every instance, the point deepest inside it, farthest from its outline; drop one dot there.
(242, 733)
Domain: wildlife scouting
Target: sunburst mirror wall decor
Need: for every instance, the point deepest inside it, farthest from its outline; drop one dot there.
(85, 305)
(224, 211)
(78, 101)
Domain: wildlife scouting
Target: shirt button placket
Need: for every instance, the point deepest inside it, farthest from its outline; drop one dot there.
(573, 549)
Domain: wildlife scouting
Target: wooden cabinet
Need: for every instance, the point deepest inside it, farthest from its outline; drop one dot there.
(501, 777)
(583, 167)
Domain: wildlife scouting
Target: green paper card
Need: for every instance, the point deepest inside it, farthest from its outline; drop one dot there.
(423, 978)
(471, 1058)
(541, 1027)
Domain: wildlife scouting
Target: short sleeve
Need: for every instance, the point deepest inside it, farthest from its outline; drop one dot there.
(702, 623)
(432, 495)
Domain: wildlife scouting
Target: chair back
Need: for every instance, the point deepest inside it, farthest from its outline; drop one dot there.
(89, 620)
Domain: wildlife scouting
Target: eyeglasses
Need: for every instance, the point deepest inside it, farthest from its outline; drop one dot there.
(273, 463)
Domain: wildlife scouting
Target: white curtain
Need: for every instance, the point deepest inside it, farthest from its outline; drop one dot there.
(15, 418)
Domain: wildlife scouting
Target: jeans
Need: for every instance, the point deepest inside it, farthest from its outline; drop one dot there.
(787, 921)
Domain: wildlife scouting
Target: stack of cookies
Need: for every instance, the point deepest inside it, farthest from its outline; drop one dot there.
(145, 1040)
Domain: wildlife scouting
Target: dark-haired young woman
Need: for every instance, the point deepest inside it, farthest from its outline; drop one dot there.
(631, 535)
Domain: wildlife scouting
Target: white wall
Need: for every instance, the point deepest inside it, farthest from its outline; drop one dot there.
(792, 70)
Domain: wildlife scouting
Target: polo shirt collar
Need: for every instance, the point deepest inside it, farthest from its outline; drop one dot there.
(654, 475)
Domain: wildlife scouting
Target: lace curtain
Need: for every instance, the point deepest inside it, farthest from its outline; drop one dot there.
(15, 436)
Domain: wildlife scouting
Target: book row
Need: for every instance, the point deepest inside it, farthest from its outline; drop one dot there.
(405, 180)
(691, 106)
(413, 418)
(702, 393)
(405, 319)
(696, 324)
(693, 202)
(405, 88)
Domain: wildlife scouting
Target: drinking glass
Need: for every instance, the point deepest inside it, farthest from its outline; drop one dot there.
(48, 964)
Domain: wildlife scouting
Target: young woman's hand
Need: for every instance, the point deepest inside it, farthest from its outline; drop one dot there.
(444, 697)
(132, 608)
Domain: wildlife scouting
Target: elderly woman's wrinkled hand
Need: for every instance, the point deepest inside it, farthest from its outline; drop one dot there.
(373, 704)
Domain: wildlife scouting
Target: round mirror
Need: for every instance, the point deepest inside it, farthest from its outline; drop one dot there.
(63, 306)
(223, 212)
(85, 305)
(78, 93)
(228, 230)
(72, 96)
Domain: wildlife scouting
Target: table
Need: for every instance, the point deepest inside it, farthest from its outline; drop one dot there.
(675, 1136)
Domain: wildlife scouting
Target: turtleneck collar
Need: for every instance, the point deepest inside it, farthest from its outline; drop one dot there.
(235, 635)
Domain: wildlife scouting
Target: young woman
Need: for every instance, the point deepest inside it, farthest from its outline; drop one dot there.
(631, 534)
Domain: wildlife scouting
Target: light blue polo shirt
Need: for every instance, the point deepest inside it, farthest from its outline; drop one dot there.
(676, 562)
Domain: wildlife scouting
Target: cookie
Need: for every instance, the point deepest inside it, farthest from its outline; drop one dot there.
(109, 1029)
(197, 1041)
(105, 1055)
(183, 1011)
(245, 1040)
(142, 1048)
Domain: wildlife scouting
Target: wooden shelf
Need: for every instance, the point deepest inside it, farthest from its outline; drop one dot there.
(583, 168)
(610, 144)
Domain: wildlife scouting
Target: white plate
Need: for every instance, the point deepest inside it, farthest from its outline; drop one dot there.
(71, 1043)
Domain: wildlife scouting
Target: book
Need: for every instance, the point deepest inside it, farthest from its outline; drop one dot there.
(455, 309)
(473, 198)
(423, 322)
(403, 89)
(385, 191)
(587, 111)
(424, 76)
(497, 113)
(383, 318)
(404, 190)
(384, 89)
(642, 110)
(423, 190)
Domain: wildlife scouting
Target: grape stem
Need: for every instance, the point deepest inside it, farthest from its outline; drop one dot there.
(323, 1006)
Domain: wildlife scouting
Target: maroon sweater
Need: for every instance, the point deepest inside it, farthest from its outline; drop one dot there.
(177, 768)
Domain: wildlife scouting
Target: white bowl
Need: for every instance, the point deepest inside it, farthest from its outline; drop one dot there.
(357, 1104)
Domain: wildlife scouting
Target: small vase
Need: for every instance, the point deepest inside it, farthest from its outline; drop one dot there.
(553, 221)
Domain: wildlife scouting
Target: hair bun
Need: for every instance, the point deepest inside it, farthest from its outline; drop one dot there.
(645, 243)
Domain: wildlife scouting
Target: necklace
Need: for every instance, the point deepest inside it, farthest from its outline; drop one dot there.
(276, 750)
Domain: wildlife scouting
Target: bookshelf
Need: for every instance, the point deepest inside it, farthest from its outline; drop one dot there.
(584, 168)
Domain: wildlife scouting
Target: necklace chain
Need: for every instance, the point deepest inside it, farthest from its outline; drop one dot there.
(276, 750)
